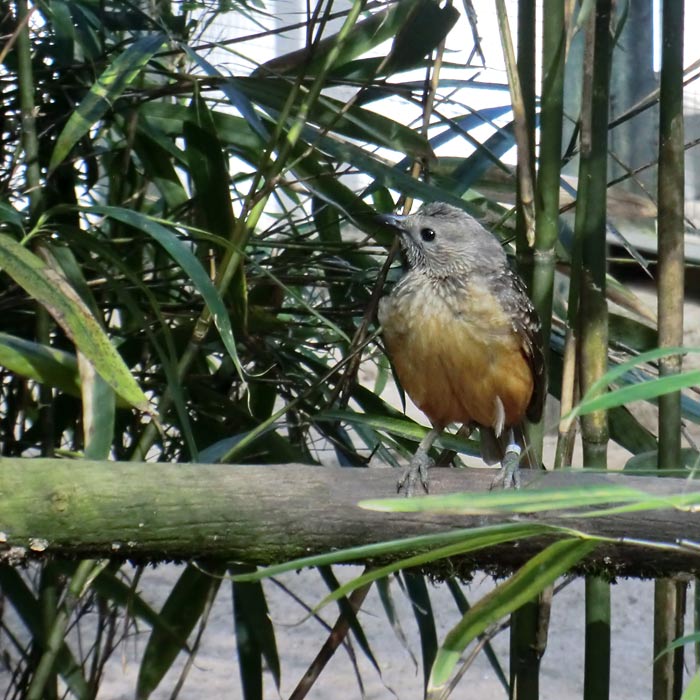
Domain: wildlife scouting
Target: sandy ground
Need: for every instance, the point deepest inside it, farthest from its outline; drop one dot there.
(215, 672)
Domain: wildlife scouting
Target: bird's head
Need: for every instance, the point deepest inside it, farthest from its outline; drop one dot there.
(443, 240)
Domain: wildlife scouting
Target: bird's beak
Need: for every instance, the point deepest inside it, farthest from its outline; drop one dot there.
(393, 220)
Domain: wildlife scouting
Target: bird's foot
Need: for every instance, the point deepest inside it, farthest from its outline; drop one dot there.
(508, 475)
(417, 470)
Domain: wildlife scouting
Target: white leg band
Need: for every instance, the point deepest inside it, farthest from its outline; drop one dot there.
(514, 447)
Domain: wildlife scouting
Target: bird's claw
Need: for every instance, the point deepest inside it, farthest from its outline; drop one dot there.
(508, 475)
(417, 470)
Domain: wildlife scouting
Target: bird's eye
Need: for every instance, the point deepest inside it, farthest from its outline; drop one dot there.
(427, 234)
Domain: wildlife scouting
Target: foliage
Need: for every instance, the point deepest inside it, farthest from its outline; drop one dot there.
(190, 268)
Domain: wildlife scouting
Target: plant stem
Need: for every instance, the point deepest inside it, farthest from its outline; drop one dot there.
(526, 645)
(597, 684)
(669, 595)
(78, 585)
(592, 315)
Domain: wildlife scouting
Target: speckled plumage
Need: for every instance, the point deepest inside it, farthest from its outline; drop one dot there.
(464, 337)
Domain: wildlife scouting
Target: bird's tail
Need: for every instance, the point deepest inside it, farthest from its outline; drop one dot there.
(493, 447)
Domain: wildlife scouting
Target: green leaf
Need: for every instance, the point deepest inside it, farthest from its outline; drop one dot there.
(627, 431)
(403, 427)
(692, 690)
(353, 122)
(346, 611)
(208, 164)
(421, 31)
(255, 635)
(112, 589)
(597, 399)
(98, 412)
(53, 291)
(16, 591)
(181, 612)
(541, 571)
(464, 607)
(525, 501)
(43, 364)
(183, 255)
(109, 86)
(423, 612)
(435, 547)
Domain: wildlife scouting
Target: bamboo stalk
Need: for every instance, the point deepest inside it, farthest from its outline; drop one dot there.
(551, 118)
(44, 681)
(592, 316)
(669, 595)
(58, 508)
(525, 649)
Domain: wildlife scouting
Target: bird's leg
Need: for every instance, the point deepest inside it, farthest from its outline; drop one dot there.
(419, 465)
(509, 474)
(446, 457)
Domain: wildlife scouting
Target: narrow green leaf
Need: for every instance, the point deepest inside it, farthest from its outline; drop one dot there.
(595, 399)
(693, 638)
(22, 599)
(255, 634)
(114, 590)
(180, 613)
(98, 411)
(639, 392)
(183, 255)
(627, 431)
(208, 165)
(421, 31)
(43, 364)
(442, 544)
(423, 612)
(464, 607)
(110, 85)
(53, 291)
(385, 595)
(525, 501)
(349, 614)
(541, 571)
(401, 426)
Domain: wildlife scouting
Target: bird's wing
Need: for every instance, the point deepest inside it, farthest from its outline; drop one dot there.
(526, 323)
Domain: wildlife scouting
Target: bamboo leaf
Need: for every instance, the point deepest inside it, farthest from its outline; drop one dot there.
(43, 364)
(528, 500)
(26, 605)
(98, 411)
(541, 571)
(255, 635)
(595, 399)
(180, 613)
(110, 85)
(437, 546)
(692, 690)
(182, 254)
(52, 291)
(423, 612)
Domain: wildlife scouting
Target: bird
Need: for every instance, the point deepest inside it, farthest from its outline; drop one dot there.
(463, 337)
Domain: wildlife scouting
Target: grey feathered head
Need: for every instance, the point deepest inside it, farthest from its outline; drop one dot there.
(444, 240)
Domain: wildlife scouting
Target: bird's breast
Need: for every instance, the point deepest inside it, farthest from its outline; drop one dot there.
(456, 354)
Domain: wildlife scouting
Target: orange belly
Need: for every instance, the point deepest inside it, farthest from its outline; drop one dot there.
(457, 363)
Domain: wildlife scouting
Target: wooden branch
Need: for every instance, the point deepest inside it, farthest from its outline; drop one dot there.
(270, 514)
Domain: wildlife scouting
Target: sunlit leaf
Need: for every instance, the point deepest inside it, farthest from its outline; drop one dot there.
(108, 87)
(54, 293)
(539, 572)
